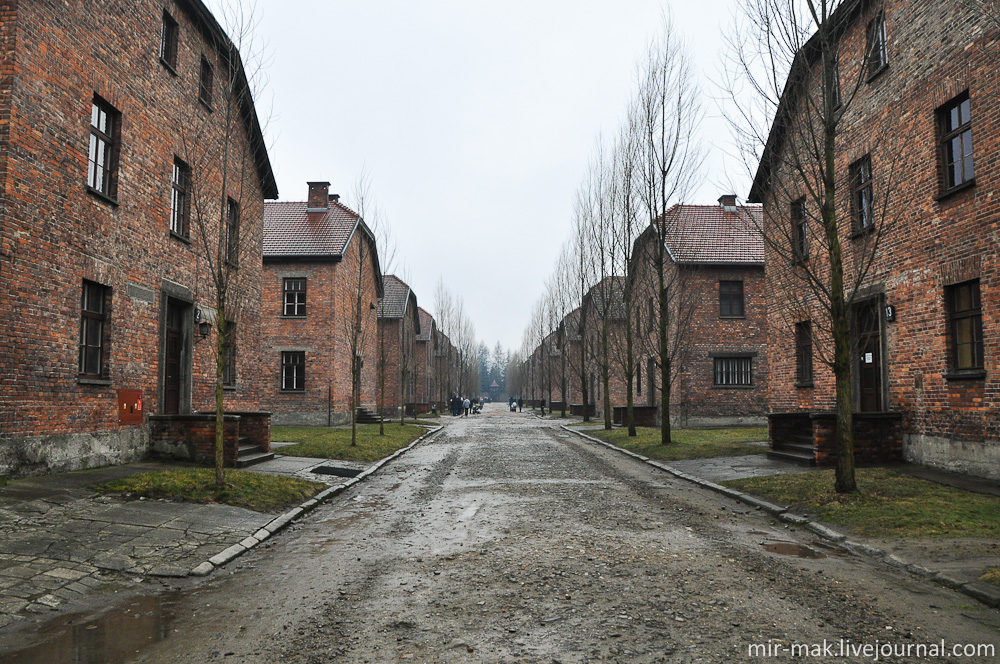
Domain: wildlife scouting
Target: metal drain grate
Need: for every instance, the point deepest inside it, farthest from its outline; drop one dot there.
(334, 470)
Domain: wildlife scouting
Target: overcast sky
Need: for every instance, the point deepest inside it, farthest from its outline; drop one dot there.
(475, 122)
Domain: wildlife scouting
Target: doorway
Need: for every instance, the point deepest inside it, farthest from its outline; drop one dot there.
(174, 356)
(869, 363)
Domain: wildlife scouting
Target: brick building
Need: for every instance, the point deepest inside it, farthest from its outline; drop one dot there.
(399, 327)
(603, 318)
(917, 211)
(715, 274)
(113, 114)
(321, 286)
(425, 376)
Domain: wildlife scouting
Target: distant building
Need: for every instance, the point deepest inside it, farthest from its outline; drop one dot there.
(399, 327)
(321, 287)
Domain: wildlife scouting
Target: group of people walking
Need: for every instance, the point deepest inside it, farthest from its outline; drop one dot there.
(460, 406)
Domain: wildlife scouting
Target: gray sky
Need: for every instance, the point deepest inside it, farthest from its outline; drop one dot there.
(475, 122)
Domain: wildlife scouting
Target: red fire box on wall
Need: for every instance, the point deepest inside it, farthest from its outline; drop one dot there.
(129, 406)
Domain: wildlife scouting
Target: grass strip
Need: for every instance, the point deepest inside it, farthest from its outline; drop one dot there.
(888, 504)
(255, 491)
(687, 443)
(335, 442)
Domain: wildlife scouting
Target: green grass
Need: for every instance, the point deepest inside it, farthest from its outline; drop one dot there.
(888, 504)
(335, 442)
(992, 576)
(687, 443)
(256, 491)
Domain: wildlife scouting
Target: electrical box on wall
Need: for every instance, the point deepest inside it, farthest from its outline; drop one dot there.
(129, 406)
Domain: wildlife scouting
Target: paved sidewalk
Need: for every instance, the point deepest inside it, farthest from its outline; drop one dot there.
(952, 562)
(59, 540)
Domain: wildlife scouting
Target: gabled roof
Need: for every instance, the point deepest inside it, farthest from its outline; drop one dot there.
(711, 234)
(393, 302)
(214, 33)
(571, 325)
(291, 232)
(426, 325)
(608, 295)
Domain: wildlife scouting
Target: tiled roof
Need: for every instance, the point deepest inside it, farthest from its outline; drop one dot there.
(712, 234)
(612, 290)
(426, 322)
(572, 324)
(291, 231)
(392, 304)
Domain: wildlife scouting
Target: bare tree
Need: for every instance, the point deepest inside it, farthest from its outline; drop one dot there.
(794, 91)
(667, 119)
(360, 326)
(583, 279)
(221, 184)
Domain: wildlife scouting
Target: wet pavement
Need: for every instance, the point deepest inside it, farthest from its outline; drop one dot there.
(60, 542)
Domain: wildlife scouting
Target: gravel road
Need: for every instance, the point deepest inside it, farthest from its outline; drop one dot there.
(507, 539)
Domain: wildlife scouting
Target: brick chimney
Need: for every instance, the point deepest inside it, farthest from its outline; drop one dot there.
(319, 197)
(728, 202)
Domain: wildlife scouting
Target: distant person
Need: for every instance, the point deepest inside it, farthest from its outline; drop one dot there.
(520, 404)
(466, 404)
(543, 407)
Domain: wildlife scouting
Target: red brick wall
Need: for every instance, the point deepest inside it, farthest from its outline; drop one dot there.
(937, 50)
(324, 334)
(55, 234)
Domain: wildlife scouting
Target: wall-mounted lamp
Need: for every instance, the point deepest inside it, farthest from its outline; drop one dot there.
(204, 328)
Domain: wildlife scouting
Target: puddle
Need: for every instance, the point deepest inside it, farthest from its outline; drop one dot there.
(110, 638)
(792, 549)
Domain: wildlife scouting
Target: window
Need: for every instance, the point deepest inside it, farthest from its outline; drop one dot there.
(93, 317)
(232, 232)
(180, 182)
(652, 315)
(295, 297)
(800, 230)
(966, 326)
(955, 120)
(803, 354)
(733, 371)
(168, 41)
(862, 205)
(103, 161)
(878, 55)
(229, 356)
(293, 371)
(205, 83)
(730, 299)
(638, 378)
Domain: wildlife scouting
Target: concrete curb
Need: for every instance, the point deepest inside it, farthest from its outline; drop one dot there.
(978, 591)
(279, 523)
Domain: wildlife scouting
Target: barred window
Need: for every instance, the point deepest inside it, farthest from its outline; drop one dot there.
(878, 54)
(205, 83)
(733, 371)
(232, 232)
(102, 163)
(803, 353)
(229, 356)
(862, 202)
(180, 182)
(168, 41)
(800, 230)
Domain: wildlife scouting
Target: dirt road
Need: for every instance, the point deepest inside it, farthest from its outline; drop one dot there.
(506, 539)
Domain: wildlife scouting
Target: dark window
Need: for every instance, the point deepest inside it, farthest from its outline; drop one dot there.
(229, 355)
(731, 371)
(295, 297)
(966, 323)
(956, 142)
(862, 204)
(205, 83)
(232, 232)
(638, 378)
(103, 161)
(180, 184)
(92, 326)
(652, 315)
(293, 371)
(803, 353)
(168, 41)
(731, 299)
(878, 55)
(800, 230)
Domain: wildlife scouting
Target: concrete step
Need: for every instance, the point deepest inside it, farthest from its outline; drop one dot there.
(251, 459)
(801, 458)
